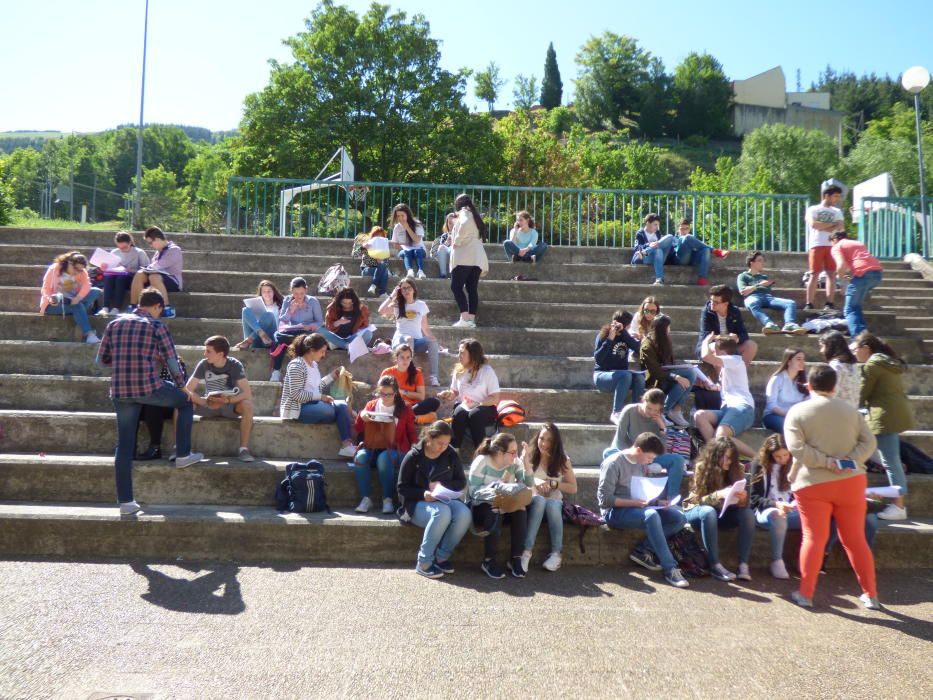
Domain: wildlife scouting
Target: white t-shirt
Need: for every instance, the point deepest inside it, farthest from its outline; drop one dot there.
(478, 390)
(313, 380)
(410, 323)
(734, 380)
(775, 493)
(825, 215)
(400, 236)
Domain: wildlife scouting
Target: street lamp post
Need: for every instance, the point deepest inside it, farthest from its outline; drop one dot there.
(139, 134)
(914, 80)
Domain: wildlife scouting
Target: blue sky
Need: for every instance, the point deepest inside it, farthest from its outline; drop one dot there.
(75, 66)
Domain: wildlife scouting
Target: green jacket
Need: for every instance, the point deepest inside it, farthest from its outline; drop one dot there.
(883, 394)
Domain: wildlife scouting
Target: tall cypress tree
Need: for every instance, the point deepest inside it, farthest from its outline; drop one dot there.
(552, 88)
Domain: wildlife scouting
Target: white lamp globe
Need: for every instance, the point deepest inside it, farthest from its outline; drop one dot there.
(915, 79)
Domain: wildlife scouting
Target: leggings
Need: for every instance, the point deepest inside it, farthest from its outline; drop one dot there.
(477, 419)
(843, 500)
(482, 512)
(466, 276)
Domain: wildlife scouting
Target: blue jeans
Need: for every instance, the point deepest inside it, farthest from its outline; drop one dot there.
(553, 510)
(315, 412)
(420, 345)
(267, 322)
(443, 260)
(704, 519)
(115, 288)
(693, 251)
(127, 411)
(343, 343)
(79, 312)
(619, 382)
(536, 250)
(444, 525)
(385, 463)
(278, 339)
(673, 464)
(413, 258)
(658, 524)
(657, 256)
(889, 445)
(856, 293)
(777, 527)
(756, 302)
(773, 422)
(676, 394)
(379, 275)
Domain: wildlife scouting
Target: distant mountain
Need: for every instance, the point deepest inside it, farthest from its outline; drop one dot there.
(11, 140)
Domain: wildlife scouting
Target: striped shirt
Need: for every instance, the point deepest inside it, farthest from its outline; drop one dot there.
(482, 473)
(136, 347)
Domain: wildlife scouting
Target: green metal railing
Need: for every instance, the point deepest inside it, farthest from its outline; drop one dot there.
(563, 216)
(891, 227)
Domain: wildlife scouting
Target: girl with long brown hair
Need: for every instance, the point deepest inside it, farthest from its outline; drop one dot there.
(258, 330)
(786, 387)
(345, 318)
(475, 387)
(67, 291)
(771, 499)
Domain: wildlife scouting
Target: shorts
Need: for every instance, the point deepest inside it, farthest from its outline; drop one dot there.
(821, 258)
(739, 418)
(170, 284)
(228, 410)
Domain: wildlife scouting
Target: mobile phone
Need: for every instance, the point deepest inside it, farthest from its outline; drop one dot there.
(845, 463)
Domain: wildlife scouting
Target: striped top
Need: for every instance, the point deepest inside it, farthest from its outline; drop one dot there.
(482, 473)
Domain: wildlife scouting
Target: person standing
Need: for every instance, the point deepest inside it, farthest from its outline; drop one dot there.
(163, 273)
(135, 346)
(823, 220)
(468, 261)
(852, 258)
(830, 442)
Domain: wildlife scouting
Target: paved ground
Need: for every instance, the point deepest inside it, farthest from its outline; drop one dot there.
(186, 630)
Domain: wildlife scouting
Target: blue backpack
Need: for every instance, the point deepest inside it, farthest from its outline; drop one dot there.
(303, 489)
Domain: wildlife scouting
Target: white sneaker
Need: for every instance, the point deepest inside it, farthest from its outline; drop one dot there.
(103, 312)
(869, 602)
(365, 505)
(677, 418)
(614, 417)
(893, 512)
(410, 273)
(130, 508)
(778, 570)
(187, 461)
(92, 338)
(372, 289)
(744, 573)
(432, 381)
(464, 323)
(387, 506)
(553, 561)
(421, 275)
(276, 376)
(526, 559)
(347, 451)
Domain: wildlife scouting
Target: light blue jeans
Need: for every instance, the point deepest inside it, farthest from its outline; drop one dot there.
(551, 508)
(315, 412)
(676, 394)
(419, 345)
(443, 260)
(444, 525)
(856, 293)
(267, 322)
(889, 445)
(756, 302)
(692, 251)
(385, 462)
(658, 524)
(656, 256)
(618, 382)
(413, 259)
(706, 520)
(777, 527)
(78, 311)
(343, 343)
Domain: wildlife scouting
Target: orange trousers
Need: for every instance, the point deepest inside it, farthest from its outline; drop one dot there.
(843, 500)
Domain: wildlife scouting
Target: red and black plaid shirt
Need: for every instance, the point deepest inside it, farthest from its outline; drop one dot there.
(136, 347)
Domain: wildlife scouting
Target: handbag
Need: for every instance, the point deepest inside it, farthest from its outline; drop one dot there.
(377, 435)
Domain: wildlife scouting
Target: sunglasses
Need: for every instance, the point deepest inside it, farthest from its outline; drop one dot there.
(652, 312)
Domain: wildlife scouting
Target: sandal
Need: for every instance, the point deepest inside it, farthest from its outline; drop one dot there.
(243, 344)
(266, 340)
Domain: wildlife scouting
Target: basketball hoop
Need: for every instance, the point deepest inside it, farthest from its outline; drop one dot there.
(358, 192)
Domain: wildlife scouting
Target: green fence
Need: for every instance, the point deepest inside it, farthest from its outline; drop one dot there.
(585, 217)
(891, 227)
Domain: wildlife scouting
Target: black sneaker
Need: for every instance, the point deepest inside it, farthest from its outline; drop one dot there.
(491, 569)
(828, 306)
(646, 558)
(515, 567)
(515, 258)
(446, 566)
(808, 307)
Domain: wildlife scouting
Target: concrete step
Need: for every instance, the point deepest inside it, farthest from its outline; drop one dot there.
(250, 533)
(95, 432)
(558, 342)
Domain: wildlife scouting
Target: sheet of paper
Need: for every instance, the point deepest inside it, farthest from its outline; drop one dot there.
(733, 495)
(444, 494)
(256, 305)
(884, 491)
(648, 488)
(357, 348)
(107, 258)
(675, 500)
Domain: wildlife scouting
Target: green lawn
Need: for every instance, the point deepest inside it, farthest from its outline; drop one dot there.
(34, 222)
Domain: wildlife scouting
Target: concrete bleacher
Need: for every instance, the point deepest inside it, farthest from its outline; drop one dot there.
(57, 430)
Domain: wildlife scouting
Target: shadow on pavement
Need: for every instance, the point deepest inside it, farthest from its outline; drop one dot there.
(215, 592)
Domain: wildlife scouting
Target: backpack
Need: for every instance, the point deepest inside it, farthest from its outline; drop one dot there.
(509, 413)
(689, 553)
(333, 280)
(679, 443)
(582, 518)
(915, 460)
(303, 490)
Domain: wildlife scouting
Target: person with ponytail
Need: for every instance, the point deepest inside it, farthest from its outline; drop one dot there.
(410, 381)
(411, 323)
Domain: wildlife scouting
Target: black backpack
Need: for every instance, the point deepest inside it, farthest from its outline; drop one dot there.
(915, 460)
(303, 490)
(689, 553)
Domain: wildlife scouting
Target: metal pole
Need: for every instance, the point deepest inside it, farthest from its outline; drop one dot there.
(71, 183)
(139, 133)
(923, 198)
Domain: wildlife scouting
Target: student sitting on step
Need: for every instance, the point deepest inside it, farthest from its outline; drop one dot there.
(227, 392)
(302, 397)
(154, 417)
(373, 251)
(408, 239)
(387, 428)
(755, 286)
(300, 313)
(441, 247)
(621, 510)
(546, 460)
(67, 291)
(432, 464)
(117, 282)
(690, 250)
(723, 318)
(474, 387)
(738, 407)
(786, 387)
(411, 324)
(346, 318)
(163, 273)
(611, 372)
(523, 245)
(259, 330)
(772, 500)
(410, 381)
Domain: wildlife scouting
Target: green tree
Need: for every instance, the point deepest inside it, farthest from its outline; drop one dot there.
(525, 92)
(629, 165)
(552, 88)
(702, 95)
(163, 203)
(207, 174)
(613, 73)
(787, 159)
(488, 83)
(656, 104)
(6, 197)
(534, 156)
(22, 177)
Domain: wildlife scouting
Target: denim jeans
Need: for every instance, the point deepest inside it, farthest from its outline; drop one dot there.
(444, 525)
(128, 410)
(385, 462)
(540, 508)
(315, 412)
(777, 527)
(413, 259)
(704, 519)
(658, 524)
(756, 302)
(656, 256)
(379, 275)
(343, 343)
(536, 250)
(443, 260)
(673, 464)
(420, 345)
(676, 394)
(856, 292)
(267, 322)
(773, 422)
(115, 289)
(889, 445)
(79, 311)
(692, 251)
(619, 382)
(278, 339)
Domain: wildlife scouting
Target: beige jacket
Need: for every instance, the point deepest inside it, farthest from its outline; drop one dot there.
(467, 248)
(820, 429)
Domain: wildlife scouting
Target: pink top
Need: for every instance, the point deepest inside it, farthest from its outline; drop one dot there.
(50, 285)
(855, 256)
